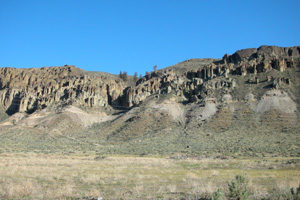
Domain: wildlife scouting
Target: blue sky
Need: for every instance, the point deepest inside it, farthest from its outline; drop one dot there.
(135, 35)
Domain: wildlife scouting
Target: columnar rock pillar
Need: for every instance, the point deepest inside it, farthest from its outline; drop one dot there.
(255, 70)
(243, 70)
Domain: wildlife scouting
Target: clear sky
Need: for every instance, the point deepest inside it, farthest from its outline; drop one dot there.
(135, 35)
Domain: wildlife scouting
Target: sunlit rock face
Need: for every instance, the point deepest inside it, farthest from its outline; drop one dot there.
(192, 81)
(27, 90)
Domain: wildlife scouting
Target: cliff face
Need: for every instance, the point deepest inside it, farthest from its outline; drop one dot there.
(200, 82)
(28, 90)
(247, 100)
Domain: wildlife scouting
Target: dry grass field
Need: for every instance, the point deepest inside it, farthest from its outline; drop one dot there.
(49, 176)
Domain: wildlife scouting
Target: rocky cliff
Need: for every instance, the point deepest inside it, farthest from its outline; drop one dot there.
(193, 104)
(28, 90)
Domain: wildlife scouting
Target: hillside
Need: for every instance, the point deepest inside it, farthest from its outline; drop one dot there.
(245, 104)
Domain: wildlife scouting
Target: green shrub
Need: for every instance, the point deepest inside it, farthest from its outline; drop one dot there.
(238, 188)
(296, 194)
(285, 194)
(217, 195)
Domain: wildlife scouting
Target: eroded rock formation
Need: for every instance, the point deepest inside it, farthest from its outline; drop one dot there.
(28, 90)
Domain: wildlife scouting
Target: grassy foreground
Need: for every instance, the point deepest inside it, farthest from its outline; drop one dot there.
(49, 176)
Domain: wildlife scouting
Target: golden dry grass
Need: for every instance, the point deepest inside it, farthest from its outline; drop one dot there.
(41, 176)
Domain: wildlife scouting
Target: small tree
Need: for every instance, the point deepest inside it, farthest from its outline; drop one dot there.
(154, 67)
(135, 77)
(123, 76)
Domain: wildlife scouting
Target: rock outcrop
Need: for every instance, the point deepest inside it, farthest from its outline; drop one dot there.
(247, 103)
(200, 82)
(28, 90)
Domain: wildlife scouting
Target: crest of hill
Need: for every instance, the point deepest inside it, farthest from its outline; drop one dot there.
(56, 70)
(266, 52)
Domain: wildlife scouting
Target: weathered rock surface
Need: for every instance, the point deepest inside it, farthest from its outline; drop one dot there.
(28, 90)
(207, 83)
(247, 103)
